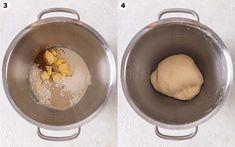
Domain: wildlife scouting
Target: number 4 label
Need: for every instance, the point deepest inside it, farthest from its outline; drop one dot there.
(123, 5)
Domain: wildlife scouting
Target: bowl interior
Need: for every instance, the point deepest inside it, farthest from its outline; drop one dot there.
(74, 37)
(161, 42)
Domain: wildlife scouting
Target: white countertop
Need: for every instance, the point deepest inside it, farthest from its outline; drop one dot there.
(14, 130)
(133, 131)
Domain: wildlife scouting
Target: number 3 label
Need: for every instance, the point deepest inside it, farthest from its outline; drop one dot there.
(4, 5)
(123, 5)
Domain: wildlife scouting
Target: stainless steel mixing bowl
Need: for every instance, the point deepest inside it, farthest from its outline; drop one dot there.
(167, 37)
(72, 34)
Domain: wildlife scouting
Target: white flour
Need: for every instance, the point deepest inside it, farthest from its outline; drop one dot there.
(81, 77)
(39, 87)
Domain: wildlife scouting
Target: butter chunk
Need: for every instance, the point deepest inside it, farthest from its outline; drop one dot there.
(49, 70)
(44, 76)
(64, 69)
(53, 51)
(55, 67)
(60, 61)
(48, 58)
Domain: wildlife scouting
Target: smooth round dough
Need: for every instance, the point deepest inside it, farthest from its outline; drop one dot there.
(177, 76)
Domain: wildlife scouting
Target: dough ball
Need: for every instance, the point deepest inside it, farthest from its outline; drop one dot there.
(177, 76)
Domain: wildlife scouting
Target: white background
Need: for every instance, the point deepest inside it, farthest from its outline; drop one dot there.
(134, 131)
(14, 130)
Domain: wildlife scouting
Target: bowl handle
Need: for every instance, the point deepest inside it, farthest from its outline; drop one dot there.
(178, 10)
(63, 138)
(51, 10)
(171, 137)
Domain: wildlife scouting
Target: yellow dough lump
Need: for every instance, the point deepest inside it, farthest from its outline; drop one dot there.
(177, 76)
